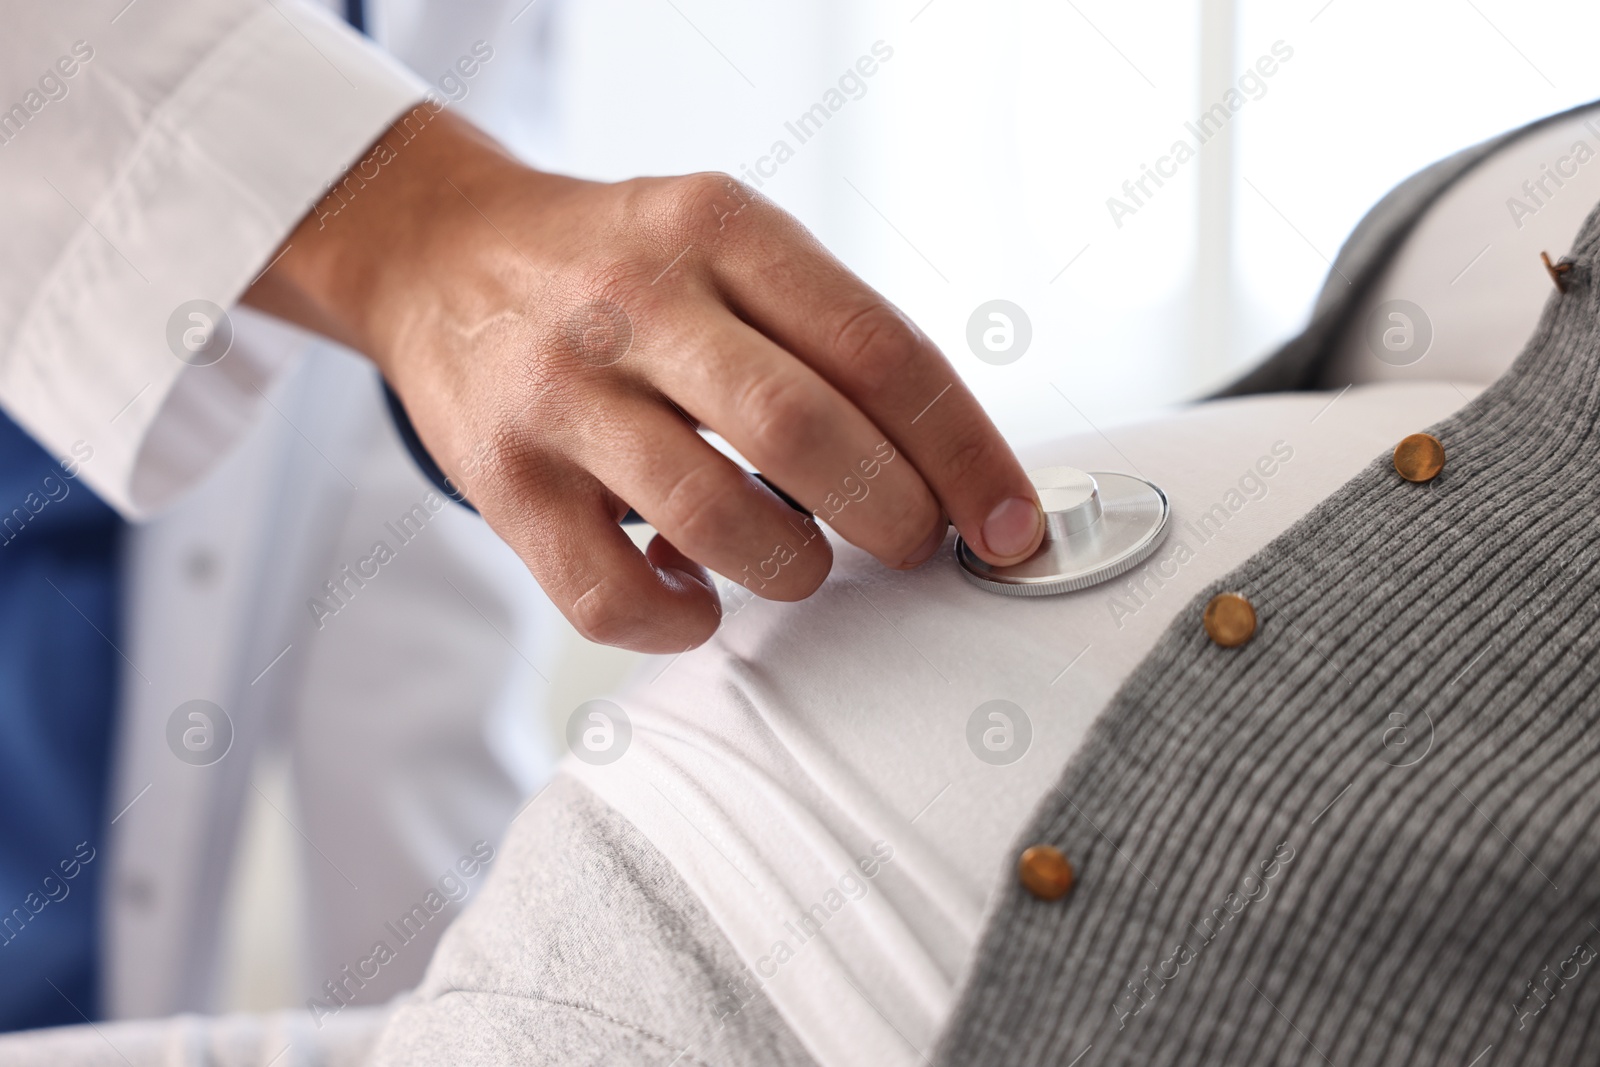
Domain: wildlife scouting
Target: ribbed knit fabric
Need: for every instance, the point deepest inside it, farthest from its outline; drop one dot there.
(1369, 836)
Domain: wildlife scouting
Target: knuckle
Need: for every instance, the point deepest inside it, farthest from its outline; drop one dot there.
(692, 506)
(602, 616)
(520, 464)
(698, 205)
(501, 459)
(913, 526)
(786, 416)
(879, 345)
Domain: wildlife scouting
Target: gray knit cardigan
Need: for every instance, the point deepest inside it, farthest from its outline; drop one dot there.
(1369, 836)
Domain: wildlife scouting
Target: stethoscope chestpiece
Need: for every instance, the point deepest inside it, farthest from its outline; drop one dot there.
(1097, 526)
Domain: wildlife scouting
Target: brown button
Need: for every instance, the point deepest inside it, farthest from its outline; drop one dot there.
(1230, 620)
(1045, 872)
(1556, 270)
(1419, 458)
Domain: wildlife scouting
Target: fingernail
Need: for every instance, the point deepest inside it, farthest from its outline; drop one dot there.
(928, 547)
(1011, 527)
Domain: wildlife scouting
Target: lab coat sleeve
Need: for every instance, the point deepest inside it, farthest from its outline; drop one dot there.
(153, 154)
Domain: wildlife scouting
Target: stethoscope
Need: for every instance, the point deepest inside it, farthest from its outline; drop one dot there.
(1097, 526)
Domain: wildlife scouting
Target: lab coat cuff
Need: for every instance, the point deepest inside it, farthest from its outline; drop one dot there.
(223, 170)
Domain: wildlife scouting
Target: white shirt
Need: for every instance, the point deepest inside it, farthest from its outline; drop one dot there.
(808, 744)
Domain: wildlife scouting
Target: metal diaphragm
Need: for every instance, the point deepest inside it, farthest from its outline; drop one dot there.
(1097, 526)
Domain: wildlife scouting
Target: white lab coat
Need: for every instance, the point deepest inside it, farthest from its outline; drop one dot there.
(187, 140)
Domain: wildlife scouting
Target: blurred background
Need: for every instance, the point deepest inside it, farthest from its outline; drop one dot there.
(976, 163)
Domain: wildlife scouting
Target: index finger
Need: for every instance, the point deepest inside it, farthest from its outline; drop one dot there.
(782, 281)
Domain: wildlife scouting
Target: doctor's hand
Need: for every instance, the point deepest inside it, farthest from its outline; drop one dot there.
(557, 343)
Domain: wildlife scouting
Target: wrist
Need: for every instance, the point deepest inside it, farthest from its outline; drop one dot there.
(360, 267)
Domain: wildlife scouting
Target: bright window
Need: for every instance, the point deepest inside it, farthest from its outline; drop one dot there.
(978, 160)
